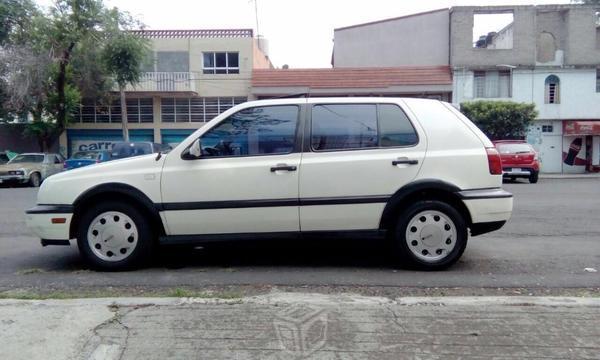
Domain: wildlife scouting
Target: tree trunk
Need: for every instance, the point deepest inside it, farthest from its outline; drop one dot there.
(124, 113)
(61, 82)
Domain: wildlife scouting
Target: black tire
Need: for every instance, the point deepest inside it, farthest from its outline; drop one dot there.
(405, 256)
(533, 178)
(35, 179)
(137, 258)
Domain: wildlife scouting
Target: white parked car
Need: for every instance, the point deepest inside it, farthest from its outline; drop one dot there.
(413, 170)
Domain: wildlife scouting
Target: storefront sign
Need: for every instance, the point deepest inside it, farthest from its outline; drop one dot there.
(91, 145)
(581, 127)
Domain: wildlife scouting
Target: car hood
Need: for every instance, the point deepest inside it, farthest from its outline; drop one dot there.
(142, 172)
(19, 166)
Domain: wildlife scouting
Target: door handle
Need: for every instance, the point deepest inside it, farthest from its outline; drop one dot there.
(283, 167)
(408, 161)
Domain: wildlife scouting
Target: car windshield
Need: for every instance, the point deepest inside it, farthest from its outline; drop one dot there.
(125, 150)
(86, 155)
(514, 148)
(28, 159)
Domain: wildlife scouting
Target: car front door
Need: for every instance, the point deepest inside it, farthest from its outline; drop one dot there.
(356, 156)
(245, 181)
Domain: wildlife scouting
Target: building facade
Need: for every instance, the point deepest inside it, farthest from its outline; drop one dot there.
(192, 76)
(548, 55)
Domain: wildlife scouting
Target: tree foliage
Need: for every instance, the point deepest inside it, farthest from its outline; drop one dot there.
(500, 119)
(49, 60)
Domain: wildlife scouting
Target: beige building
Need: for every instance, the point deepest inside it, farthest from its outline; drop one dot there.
(194, 75)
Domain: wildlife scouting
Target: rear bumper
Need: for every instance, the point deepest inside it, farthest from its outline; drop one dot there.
(40, 221)
(489, 208)
(518, 172)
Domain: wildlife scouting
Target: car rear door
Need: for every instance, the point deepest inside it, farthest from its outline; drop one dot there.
(356, 156)
(246, 180)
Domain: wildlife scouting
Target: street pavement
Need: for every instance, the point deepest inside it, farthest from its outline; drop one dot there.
(302, 326)
(553, 237)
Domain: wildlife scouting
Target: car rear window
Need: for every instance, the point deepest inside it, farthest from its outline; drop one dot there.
(514, 148)
(125, 150)
(85, 155)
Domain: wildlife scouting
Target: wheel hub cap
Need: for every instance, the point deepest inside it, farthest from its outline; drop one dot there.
(431, 235)
(112, 236)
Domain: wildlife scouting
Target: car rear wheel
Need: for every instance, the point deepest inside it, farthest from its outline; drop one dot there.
(533, 178)
(114, 236)
(35, 179)
(430, 235)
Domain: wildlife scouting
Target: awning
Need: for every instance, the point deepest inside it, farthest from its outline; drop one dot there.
(581, 127)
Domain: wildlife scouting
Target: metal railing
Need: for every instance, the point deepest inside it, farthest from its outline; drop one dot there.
(164, 82)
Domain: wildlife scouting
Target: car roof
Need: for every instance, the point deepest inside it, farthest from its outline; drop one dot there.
(312, 100)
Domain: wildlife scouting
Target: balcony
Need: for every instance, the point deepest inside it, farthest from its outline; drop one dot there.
(165, 82)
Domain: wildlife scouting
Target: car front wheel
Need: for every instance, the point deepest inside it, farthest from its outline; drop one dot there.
(114, 236)
(35, 180)
(430, 235)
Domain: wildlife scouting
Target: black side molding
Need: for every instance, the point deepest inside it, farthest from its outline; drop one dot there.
(485, 227)
(50, 209)
(47, 242)
(475, 194)
(286, 235)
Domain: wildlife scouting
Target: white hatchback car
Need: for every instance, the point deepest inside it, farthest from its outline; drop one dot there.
(412, 170)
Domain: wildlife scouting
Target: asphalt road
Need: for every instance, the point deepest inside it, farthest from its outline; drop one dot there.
(553, 236)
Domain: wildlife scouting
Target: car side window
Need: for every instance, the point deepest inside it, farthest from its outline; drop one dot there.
(344, 126)
(254, 131)
(395, 129)
(360, 126)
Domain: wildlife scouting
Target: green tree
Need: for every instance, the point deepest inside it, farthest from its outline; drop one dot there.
(500, 119)
(48, 60)
(123, 57)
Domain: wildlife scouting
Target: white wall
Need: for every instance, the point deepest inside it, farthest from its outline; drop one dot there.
(420, 40)
(578, 96)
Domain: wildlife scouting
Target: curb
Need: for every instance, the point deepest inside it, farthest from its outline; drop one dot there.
(320, 299)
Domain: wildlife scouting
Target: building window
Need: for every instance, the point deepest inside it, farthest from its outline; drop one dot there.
(598, 80)
(138, 110)
(196, 109)
(492, 84)
(547, 128)
(552, 90)
(221, 63)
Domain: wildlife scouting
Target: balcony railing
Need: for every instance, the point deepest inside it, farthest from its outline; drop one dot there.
(165, 82)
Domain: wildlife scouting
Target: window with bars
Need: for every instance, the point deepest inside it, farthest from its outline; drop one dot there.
(221, 63)
(552, 85)
(139, 110)
(492, 84)
(196, 109)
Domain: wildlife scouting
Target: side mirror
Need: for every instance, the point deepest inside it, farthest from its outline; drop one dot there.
(193, 152)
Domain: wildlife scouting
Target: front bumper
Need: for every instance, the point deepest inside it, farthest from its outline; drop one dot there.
(13, 178)
(50, 222)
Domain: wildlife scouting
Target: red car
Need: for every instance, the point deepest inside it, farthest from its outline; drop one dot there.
(519, 160)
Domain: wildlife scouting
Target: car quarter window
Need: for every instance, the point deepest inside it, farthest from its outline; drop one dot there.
(357, 126)
(395, 129)
(254, 131)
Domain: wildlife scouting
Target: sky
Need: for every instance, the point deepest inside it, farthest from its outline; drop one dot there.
(299, 32)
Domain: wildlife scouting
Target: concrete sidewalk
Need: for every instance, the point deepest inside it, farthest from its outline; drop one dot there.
(301, 326)
(569, 176)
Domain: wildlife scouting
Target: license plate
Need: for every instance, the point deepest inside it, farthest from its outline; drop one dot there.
(516, 169)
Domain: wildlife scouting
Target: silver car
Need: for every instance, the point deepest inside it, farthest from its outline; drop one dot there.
(31, 168)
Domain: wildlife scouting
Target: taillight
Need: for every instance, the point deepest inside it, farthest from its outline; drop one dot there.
(494, 161)
(65, 165)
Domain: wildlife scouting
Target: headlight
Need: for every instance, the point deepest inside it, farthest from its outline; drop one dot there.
(16, 172)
